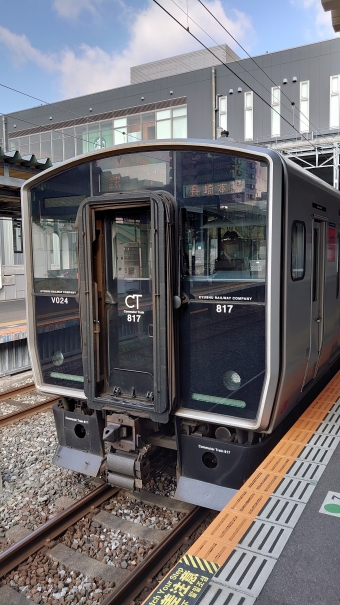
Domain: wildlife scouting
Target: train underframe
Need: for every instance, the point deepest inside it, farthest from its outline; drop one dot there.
(210, 462)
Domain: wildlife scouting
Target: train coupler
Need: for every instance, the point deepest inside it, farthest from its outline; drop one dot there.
(128, 470)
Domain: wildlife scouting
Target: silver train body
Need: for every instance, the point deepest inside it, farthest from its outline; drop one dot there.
(182, 300)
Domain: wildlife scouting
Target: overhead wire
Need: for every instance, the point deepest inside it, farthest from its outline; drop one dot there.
(245, 70)
(87, 118)
(231, 70)
(57, 106)
(188, 30)
(20, 92)
(52, 130)
(264, 72)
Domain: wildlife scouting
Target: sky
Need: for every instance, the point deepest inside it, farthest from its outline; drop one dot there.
(60, 49)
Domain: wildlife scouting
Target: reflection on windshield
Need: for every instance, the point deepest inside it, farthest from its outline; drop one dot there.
(55, 256)
(225, 219)
(226, 243)
(225, 223)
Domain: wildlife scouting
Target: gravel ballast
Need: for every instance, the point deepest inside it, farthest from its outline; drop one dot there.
(34, 490)
(31, 484)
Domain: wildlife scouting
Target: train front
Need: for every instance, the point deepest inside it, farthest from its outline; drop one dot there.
(153, 309)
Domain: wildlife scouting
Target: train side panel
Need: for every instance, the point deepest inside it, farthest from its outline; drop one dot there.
(309, 327)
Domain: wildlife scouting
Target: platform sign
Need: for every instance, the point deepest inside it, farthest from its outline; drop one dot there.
(185, 583)
(331, 505)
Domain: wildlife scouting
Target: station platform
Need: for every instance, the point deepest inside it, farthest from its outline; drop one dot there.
(277, 540)
(13, 325)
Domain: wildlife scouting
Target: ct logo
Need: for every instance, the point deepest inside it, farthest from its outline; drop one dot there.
(135, 298)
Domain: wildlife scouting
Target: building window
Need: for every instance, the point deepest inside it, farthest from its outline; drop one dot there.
(24, 145)
(69, 142)
(304, 106)
(171, 123)
(134, 129)
(13, 144)
(35, 145)
(68, 137)
(148, 126)
(248, 115)
(57, 146)
(276, 111)
(222, 113)
(334, 112)
(179, 122)
(119, 127)
(46, 149)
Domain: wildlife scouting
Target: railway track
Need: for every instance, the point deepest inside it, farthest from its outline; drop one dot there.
(121, 585)
(11, 399)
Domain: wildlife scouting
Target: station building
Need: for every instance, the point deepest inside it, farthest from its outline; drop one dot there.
(288, 100)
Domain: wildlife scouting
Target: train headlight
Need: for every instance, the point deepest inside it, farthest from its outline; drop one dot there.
(232, 380)
(57, 358)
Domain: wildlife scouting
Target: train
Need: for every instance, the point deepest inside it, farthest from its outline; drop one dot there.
(182, 300)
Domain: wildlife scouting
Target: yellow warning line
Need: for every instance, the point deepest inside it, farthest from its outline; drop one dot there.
(11, 330)
(218, 541)
(228, 528)
(14, 323)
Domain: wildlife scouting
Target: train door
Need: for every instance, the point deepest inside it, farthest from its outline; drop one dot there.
(129, 301)
(128, 266)
(317, 299)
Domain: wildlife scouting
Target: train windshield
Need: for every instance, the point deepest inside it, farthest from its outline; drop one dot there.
(221, 252)
(224, 222)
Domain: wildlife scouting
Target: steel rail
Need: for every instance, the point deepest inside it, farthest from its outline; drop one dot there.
(25, 412)
(156, 559)
(20, 391)
(20, 551)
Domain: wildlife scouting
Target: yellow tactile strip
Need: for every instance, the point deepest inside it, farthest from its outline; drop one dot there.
(254, 494)
(229, 527)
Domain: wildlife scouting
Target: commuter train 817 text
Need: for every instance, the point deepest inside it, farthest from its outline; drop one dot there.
(183, 297)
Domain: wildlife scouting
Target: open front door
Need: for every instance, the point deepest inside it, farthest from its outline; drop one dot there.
(127, 254)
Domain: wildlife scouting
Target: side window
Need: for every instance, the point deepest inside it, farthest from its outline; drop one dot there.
(298, 250)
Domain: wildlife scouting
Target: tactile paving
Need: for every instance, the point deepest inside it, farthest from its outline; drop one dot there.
(249, 534)
(263, 481)
(298, 436)
(215, 595)
(284, 512)
(333, 417)
(266, 538)
(276, 464)
(247, 502)
(314, 414)
(329, 428)
(305, 424)
(228, 527)
(328, 442)
(306, 470)
(295, 489)
(288, 449)
(318, 455)
(336, 408)
(324, 403)
(245, 571)
(211, 550)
